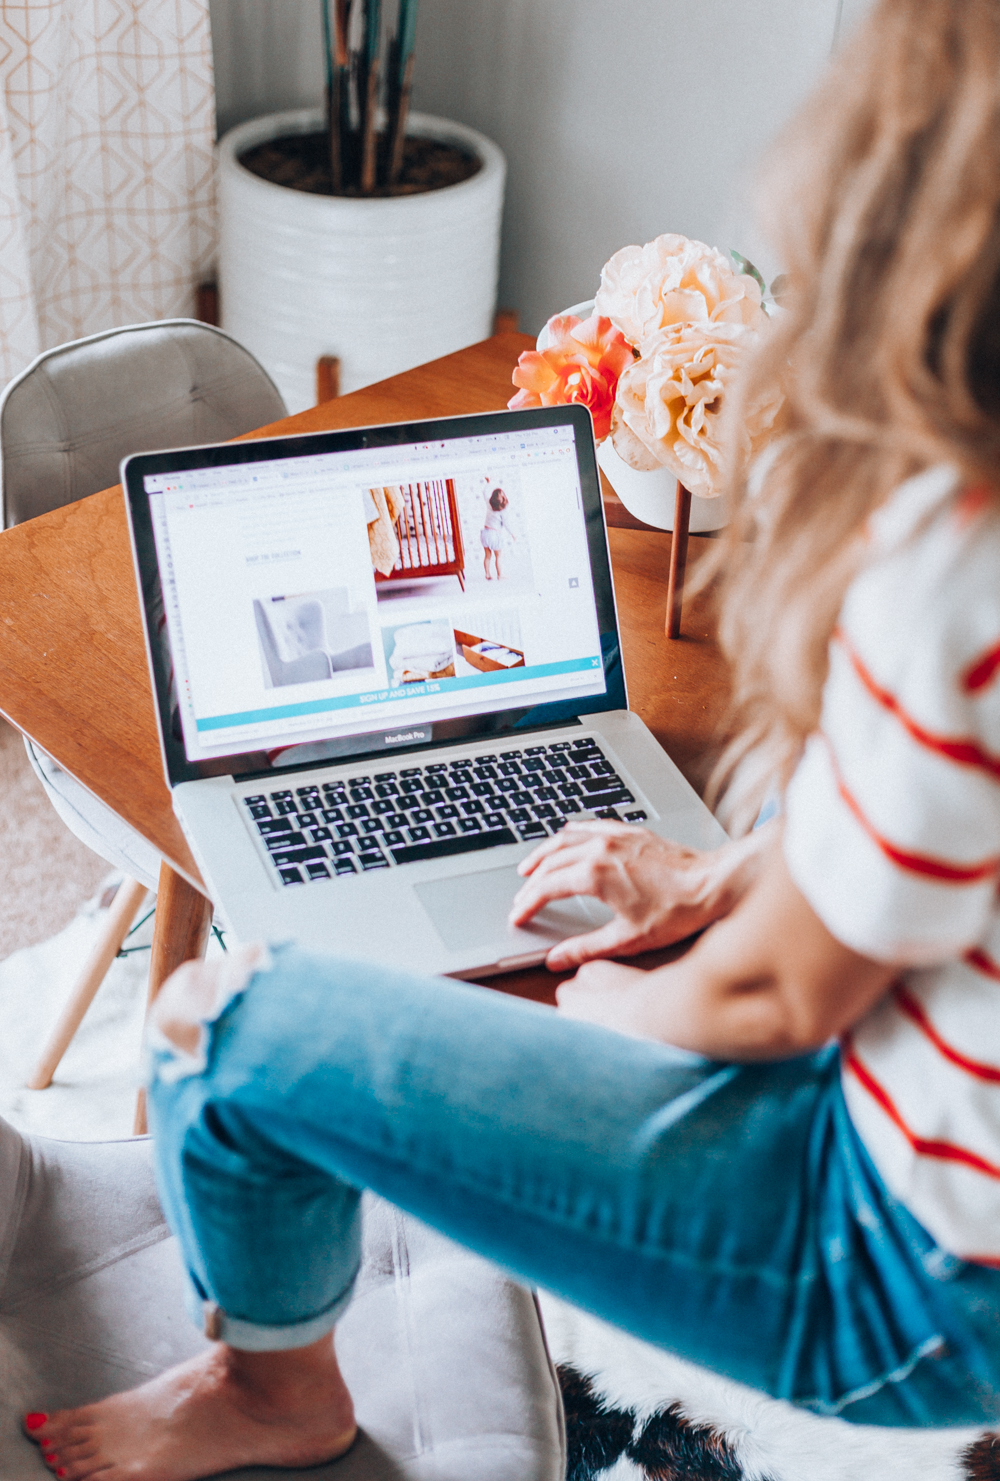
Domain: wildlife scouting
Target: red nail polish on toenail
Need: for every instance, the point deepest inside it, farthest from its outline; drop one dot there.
(61, 1471)
(34, 1421)
(46, 1444)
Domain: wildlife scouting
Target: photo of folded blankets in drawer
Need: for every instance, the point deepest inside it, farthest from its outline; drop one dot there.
(487, 655)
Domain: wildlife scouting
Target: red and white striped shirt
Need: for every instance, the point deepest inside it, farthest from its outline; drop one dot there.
(893, 835)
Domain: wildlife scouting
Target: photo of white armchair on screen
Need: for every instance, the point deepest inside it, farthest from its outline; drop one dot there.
(311, 636)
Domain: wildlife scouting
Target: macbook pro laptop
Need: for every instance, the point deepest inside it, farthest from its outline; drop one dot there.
(386, 665)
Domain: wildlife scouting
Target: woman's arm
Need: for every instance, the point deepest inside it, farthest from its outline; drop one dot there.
(660, 891)
(767, 982)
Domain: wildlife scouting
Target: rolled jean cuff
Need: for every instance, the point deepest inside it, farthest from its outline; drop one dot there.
(219, 1326)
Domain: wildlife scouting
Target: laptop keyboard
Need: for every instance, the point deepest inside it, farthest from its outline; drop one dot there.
(389, 818)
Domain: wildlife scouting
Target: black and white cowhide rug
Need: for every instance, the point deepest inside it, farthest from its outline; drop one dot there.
(634, 1413)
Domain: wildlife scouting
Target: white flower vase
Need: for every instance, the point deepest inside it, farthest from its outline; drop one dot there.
(657, 498)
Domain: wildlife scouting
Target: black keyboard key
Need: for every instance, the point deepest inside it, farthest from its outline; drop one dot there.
(555, 777)
(593, 786)
(535, 750)
(358, 810)
(482, 789)
(260, 810)
(291, 876)
(298, 855)
(444, 830)
(577, 772)
(385, 776)
(446, 810)
(346, 830)
(546, 794)
(473, 809)
(306, 819)
(286, 805)
(373, 860)
(557, 822)
(393, 835)
(342, 847)
(384, 805)
(395, 820)
(317, 871)
(386, 789)
(509, 784)
(412, 771)
(635, 817)
(463, 843)
(520, 799)
(571, 789)
(361, 794)
(457, 794)
(608, 813)
(318, 835)
(371, 825)
(421, 815)
(432, 770)
(544, 810)
(493, 820)
(509, 768)
(519, 815)
(284, 840)
(359, 781)
(560, 746)
(332, 815)
(418, 834)
(532, 830)
(254, 801)
(602, 768)
(485, 773)
(267, 826)
(567, 805)
(534, 763)
(509, 755)
(280, 796)
(410, 785)
(469, 825)
(344, 866)
(432, 798)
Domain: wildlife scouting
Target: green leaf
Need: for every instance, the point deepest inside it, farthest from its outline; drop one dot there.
(746, 266)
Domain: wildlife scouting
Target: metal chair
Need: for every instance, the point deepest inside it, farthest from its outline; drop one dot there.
(66, 422)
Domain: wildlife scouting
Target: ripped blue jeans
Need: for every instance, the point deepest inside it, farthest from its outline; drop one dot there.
(728, 1213)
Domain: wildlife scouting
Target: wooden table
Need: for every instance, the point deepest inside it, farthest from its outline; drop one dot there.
(73, 672)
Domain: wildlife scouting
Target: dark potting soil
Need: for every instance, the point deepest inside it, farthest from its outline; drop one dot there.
(301, 162)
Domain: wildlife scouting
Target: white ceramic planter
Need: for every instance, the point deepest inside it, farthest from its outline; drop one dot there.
(383, 284)
(649, 496)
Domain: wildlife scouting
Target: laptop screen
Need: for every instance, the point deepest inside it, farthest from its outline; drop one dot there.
(314, 594)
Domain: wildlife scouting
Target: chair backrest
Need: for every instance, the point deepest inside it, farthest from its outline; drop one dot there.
(68, 420)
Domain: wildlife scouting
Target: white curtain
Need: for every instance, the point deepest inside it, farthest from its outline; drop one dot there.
(107, 124)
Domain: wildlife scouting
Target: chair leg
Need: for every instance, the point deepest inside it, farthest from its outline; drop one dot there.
(183, 921)
(123, 911)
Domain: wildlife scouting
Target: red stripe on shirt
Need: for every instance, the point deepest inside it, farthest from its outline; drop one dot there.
(923, 1146)
(924, 864)
(982, 670)
(908, 1004)
(977, 958)
(965, 751)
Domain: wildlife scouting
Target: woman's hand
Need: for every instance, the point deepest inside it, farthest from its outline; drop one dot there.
(660, 891)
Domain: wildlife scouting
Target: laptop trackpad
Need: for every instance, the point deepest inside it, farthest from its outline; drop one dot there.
(470, 910)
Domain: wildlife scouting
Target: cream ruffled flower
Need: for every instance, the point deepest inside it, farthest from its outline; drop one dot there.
(673, 280)
(670, 401)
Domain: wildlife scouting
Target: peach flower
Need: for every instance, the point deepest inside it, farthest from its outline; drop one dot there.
(670, 403)
(673, 280)
(581, 363)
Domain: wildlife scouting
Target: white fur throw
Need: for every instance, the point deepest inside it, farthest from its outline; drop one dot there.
(635, 1413)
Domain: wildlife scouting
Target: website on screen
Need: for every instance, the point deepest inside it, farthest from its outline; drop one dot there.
(332, 594)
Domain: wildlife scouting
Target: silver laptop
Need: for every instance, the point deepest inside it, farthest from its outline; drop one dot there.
(386, 665)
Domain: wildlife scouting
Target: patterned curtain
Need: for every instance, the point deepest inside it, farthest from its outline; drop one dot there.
(107, 125)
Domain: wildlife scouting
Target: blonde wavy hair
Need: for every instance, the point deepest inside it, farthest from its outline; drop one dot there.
(886, 192)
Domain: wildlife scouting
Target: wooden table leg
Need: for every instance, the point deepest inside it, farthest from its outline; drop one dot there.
(183, 921)
(678, 560)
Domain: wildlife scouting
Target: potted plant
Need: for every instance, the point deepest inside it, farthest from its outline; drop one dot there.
(360, 229)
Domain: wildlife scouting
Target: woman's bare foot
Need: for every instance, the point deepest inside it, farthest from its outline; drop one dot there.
(221, 1411)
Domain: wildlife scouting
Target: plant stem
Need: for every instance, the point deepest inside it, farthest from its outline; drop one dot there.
(402, 84)
(369, 95)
